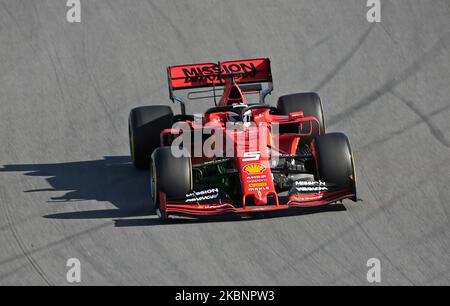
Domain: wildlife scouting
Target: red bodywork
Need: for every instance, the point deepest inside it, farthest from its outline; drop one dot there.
(255, 175)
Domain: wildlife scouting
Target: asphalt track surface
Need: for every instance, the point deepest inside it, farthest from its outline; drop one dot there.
(67, 189)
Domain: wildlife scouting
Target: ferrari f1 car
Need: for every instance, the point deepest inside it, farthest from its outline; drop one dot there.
(299, 164)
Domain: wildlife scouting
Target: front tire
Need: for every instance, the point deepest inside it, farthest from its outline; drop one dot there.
(334, 160)
(171, 175)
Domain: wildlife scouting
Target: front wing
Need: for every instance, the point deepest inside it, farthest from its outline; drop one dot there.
(226, 207)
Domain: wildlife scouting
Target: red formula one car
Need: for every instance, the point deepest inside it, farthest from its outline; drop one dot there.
(242, 155)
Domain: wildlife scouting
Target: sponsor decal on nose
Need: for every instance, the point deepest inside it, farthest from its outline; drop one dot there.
(257, 185)
(254, 168)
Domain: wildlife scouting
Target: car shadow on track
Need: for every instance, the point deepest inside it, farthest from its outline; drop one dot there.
(113, 179)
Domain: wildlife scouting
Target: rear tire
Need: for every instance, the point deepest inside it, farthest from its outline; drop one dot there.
(334, 159)
(145, 126)
(169, 174)
(308, 103)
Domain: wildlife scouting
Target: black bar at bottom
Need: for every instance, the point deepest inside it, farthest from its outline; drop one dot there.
(224, 295)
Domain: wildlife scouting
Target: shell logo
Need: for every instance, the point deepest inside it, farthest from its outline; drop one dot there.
(254, 168)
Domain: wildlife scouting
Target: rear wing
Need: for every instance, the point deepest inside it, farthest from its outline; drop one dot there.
(215, 74)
